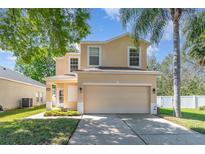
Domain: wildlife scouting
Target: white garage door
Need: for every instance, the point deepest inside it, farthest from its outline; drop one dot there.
(116, 99)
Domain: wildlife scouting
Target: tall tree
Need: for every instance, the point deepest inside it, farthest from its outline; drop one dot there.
(151, 23)
(192, 76)
(153, 65)
(31, 33)
(39, 69)
(195, 37)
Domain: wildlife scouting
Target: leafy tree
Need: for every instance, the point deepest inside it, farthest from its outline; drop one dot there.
(32, 33)
(192, 78)
(153, 65)
(195, 37)
(165, 81)
(39, 69)
(151, 23)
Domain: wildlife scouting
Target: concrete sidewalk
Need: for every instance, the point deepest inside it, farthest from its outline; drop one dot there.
(137, 129)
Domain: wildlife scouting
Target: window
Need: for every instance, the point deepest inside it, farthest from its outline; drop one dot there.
(61, 96)
(37, 97)
(134, 60)
(94, 56)
(73, 64)
(41, 97)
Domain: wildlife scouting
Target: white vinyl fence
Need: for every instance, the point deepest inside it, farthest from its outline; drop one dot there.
(186, 101)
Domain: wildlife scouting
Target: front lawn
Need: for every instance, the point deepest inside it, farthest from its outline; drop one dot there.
(191, 118)
(20, 113)
(49, 131)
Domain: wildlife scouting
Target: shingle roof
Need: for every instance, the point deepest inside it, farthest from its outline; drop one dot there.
(114, 38)
(18, 77)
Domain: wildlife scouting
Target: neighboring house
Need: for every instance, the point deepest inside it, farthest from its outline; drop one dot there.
(15, 86)
(105, 77)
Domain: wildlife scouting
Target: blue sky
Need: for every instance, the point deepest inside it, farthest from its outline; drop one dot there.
(105, 24)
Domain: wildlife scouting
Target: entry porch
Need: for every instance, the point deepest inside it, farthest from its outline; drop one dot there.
(62, 90)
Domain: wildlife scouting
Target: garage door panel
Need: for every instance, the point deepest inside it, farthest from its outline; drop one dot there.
(116, 99)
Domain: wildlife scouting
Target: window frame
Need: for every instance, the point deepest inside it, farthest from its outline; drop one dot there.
(69, 60)
(70, 63)
(88, 56)
(128, 57)
(37, 97)
(41, 97)
(61, 96)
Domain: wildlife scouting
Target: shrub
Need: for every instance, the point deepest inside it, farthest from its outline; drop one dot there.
(202, 108)
(60, 112)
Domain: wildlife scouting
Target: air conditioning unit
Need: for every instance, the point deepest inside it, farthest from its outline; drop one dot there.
(1, 108)
(26, 102)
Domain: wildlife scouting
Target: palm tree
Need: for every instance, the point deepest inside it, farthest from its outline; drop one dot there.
(194, 31)
(151, 23)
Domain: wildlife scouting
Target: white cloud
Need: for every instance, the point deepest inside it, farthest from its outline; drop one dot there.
(11, 58)
(152, 50)
(112, 13)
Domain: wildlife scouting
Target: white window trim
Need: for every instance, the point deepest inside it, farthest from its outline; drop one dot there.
(128, 57)
(69, 62)
(88, 56)
(37, 97)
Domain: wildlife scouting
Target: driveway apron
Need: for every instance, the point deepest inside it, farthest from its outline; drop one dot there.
(132, 129)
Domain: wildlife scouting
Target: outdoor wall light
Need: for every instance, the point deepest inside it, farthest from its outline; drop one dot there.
(153, 90)
(80, 89)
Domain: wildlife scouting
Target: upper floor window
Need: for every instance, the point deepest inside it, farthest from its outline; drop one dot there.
(73, 64)
(94, 56)
(134, 57)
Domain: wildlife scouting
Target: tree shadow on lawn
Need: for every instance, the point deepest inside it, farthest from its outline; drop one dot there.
(38, 131)
(185, 114)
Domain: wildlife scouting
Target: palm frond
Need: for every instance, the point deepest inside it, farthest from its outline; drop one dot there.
(146, 22)
(194, 31)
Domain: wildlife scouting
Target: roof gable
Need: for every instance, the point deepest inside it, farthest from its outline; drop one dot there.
(112, 39)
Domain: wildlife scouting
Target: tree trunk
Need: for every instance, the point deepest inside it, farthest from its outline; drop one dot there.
(176, 62)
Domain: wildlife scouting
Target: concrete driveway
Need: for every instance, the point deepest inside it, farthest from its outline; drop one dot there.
(137, 129)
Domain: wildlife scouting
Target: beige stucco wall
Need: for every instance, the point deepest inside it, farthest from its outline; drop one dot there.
(116, 78)
(11, 93)
(61, 66)
(62, 63)
(64, 87)
(114, 53)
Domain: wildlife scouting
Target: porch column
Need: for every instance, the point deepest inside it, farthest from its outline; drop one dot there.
(49, 92)
(80, 105)
(65, 92)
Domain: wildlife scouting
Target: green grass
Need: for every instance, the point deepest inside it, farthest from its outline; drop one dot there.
(60, 112)
(38, 131)
(191, 118)
(20, 113)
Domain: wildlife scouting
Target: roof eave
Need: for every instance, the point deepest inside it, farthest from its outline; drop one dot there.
(109, 40)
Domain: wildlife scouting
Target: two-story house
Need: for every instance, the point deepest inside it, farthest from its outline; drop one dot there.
(105, 77)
